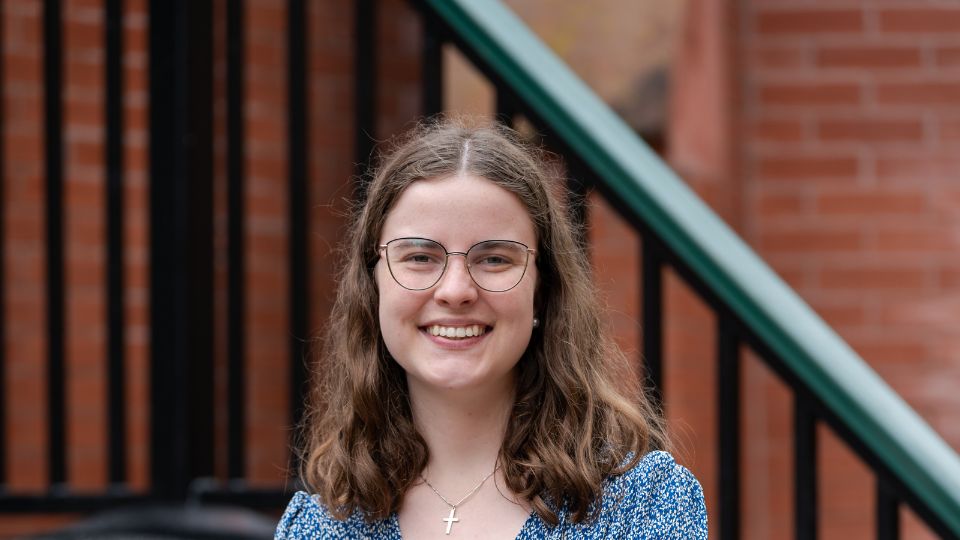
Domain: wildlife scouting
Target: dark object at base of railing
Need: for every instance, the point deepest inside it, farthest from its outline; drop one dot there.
(169, 523)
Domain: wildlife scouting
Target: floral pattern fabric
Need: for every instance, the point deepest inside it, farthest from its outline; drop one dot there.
(656, 499)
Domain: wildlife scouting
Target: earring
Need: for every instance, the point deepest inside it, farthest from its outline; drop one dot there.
(536, 322)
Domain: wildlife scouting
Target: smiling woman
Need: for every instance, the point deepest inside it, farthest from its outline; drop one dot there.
(466, 386)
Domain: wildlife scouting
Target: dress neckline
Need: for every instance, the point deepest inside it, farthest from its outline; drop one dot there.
(530, 521)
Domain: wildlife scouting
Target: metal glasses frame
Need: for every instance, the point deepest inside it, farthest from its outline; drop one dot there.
(526, 262)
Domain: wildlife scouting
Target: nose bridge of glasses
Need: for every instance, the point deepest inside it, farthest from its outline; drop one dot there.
(466, 262)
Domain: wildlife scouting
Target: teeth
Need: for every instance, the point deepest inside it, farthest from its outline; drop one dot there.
(457, 332)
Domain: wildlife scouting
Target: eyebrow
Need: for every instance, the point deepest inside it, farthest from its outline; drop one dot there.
(499, 242)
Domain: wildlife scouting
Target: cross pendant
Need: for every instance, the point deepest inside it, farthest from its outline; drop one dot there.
(450, 519)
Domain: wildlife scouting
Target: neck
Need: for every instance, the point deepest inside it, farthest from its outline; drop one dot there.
(464, 430)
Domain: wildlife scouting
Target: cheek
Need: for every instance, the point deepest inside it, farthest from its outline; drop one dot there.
(388, 324)
(396, 311)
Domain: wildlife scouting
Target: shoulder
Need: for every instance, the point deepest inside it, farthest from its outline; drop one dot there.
(657, 498)
(307, 517)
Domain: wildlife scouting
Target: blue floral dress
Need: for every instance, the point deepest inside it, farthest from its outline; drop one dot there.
(658, 498)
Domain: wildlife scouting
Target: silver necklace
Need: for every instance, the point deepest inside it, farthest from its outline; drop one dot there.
(452, 518)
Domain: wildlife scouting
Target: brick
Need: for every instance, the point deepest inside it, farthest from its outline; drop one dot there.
(778, 205)
(948, 57)
(86, 154)
(779, 57)
(919, 241)
(25, 149)
(870, 130)
(83, 37)
(916, 167)
(775, 130)
(801, 168)
(809, 21)
(950, 277)
(809, 241)
(87, 114)
(950, 129)
(927, 94)
(808, 94)
(873, 278)
(843, 316)
(26, 67)
(871, 203)
(82, 75)
(919, 20)
(878, 57)
(892, 352)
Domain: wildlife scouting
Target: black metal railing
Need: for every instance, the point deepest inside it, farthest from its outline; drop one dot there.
(181, 434)
(3, 266)
(53, 146)
(114, 162)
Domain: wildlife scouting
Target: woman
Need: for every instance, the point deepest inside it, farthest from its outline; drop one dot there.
(466, 385)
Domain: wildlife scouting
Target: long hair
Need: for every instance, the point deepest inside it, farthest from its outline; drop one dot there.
(578, 416)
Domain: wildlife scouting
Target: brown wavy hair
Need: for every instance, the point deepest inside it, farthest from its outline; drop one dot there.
(580, 414)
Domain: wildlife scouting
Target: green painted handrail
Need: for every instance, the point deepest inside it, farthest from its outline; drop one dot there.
(809, 348)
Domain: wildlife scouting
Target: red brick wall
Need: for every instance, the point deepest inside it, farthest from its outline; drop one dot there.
(844, 153)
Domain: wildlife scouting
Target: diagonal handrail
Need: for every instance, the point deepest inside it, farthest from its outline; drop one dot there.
(810, 350)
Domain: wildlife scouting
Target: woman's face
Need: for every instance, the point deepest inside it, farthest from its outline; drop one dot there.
(457, 212)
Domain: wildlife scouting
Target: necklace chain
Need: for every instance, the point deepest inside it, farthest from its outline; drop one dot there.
(465, 497)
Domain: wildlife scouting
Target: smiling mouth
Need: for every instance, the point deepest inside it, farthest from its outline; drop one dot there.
(457, 332)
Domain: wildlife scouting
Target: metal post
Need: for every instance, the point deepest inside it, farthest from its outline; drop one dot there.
(365, 81)
(652, 307)
(298, 112)
(181, 275)
(113, 107)
(53, 135)
(432, 67)
(805, 468)
(728, 393)
(888, 511)
(236, 380)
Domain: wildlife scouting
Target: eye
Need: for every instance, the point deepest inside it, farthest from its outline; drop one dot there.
(420, 258)
(497, 255)
(494, 260)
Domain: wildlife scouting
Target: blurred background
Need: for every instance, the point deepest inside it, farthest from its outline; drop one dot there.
(210, 150)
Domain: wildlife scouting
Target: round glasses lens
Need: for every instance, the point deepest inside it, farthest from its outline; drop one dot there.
(416, 263)
(497, 265)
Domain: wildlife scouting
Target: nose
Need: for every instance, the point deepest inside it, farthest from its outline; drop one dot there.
(456, 287)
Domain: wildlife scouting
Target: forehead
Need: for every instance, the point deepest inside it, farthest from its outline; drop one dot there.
(458, 211)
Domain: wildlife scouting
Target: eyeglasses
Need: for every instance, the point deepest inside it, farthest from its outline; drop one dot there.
(494, 265)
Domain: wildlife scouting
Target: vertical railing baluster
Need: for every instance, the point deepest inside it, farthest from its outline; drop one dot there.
(53, 138)
(888, 511)
(728, 394)
(365, 82)
(181, 244)
(805, 468)
(236, 300)
(505, 106)
(432, 67)
(113, 108)
(166, 443)
(3, 263)
(652, 313)
(297, 144)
